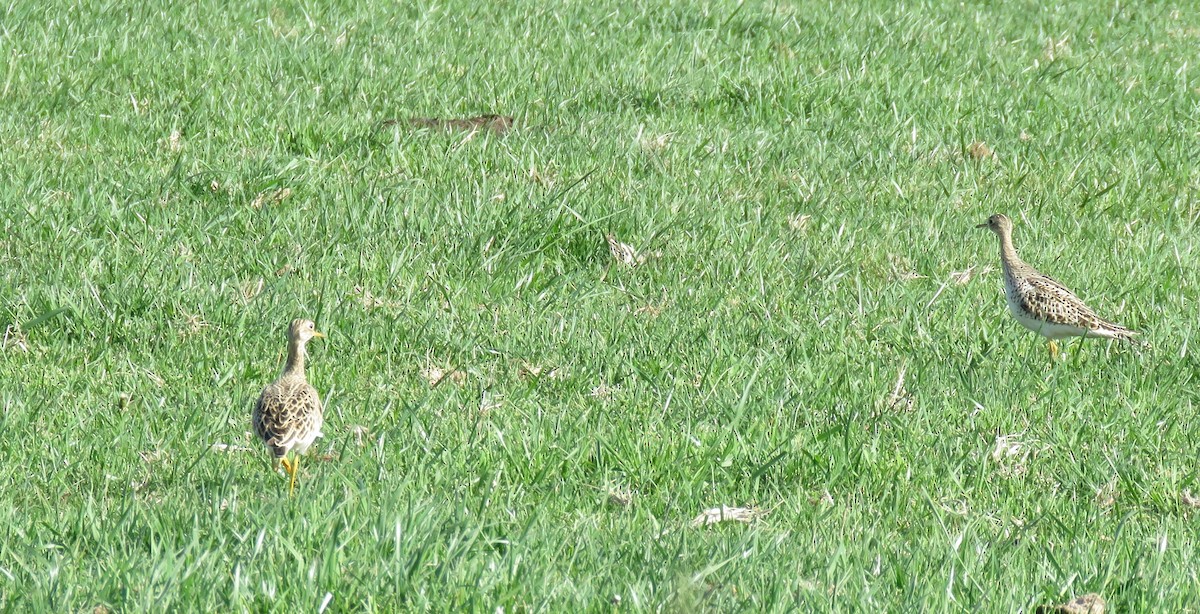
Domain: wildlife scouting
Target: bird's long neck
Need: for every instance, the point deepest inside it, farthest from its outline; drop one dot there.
(1008, 254)
(295, 359)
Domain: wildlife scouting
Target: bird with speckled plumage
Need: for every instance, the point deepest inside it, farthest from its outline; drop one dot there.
(287, 417)
(1043, 305)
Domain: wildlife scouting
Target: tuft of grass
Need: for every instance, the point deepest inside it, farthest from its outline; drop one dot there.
(815, 328)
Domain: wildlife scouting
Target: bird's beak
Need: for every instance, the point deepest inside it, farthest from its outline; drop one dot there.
(317, 333)
(983, 225)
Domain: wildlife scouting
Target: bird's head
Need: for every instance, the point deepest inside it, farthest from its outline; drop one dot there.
(997, 223)
(302, 330)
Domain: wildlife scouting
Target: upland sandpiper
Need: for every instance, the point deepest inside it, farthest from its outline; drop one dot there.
(1043, 305)
(288, 416)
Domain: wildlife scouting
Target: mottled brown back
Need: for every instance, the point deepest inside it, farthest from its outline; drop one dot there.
(288, 411)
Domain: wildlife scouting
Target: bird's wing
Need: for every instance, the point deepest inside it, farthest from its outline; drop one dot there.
(1054, 302)
(271, 418)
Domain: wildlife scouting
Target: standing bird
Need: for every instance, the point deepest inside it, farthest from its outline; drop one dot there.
(1043, 305)
(287, 416)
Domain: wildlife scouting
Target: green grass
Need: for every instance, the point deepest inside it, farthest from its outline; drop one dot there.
(147, 281)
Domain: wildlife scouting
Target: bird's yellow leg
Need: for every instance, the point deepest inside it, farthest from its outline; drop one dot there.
(294, 468)
(1053, 350)
(287, 465)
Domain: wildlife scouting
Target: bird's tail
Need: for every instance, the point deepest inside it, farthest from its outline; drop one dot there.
(1112, 330)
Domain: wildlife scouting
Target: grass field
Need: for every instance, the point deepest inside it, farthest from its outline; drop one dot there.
(817, 330)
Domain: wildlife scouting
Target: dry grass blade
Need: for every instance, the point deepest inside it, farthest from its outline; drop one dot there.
(229, 447)
(900, 399)
(604, 391)
(361, 434)
(435, 375)
(725, 513)
(980, 151)
(270, 197)
(528, 371)
(798, 221)
(498, 124)
(14, 338)
(1011, 455)
(1090, 603)
(623, 252)
(1106, 496)
(619, 496)
(965, 276)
